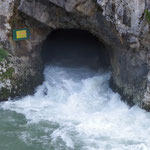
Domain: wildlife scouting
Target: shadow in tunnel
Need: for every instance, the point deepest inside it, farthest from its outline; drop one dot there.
(75, 48)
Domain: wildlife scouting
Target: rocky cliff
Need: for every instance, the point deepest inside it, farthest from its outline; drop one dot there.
(123, 27)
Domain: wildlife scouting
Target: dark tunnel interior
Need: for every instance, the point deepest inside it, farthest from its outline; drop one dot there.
(76, 48)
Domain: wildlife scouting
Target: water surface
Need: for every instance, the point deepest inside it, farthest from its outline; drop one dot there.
(74, 109)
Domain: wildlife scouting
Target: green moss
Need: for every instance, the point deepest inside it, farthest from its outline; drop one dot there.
(147, 16)
(4, 93)
(3, 54)
(8, 74)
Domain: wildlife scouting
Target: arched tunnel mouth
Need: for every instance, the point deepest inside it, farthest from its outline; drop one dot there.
(75, 48)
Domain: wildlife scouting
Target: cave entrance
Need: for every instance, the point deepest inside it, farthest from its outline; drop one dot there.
(76, 48)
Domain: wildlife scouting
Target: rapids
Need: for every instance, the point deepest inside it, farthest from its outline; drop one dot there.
(74, 109)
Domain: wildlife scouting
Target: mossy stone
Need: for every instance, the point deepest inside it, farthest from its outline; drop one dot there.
(3, 54)
(147, 16)
(8, 74)
(4, 92)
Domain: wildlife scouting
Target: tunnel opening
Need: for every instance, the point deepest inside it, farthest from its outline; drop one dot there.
(75, 48)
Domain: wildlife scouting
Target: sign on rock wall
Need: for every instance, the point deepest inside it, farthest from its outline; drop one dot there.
(21, 34)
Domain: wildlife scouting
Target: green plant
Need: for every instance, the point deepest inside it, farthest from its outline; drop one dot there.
(147, 15)
(3, 54)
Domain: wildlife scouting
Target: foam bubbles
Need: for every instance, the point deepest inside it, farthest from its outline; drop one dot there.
(88, 115)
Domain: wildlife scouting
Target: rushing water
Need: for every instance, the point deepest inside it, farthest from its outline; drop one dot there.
(74, 109)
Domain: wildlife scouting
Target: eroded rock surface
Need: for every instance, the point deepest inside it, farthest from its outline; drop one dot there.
(120, 25)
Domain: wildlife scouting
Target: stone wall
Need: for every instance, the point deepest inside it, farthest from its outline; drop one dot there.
(120, 25)
(22, 70)
(130, 75)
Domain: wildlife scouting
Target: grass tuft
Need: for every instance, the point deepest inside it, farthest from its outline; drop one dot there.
(3, 54)
(147, 15)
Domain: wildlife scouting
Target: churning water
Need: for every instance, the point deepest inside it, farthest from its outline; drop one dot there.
(74, 109)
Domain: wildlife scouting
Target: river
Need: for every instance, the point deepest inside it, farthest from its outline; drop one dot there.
(74, 109)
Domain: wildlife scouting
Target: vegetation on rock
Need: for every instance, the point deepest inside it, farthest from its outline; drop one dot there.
(147, 16)
(3, 54)
(4, 93)
(8, 74)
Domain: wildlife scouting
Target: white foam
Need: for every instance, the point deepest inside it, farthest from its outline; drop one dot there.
(87, 111)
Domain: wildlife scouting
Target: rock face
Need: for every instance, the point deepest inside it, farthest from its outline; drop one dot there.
(121, 25)
(21, 71)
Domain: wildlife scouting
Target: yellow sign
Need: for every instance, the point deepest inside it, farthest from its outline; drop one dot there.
(21, 34)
